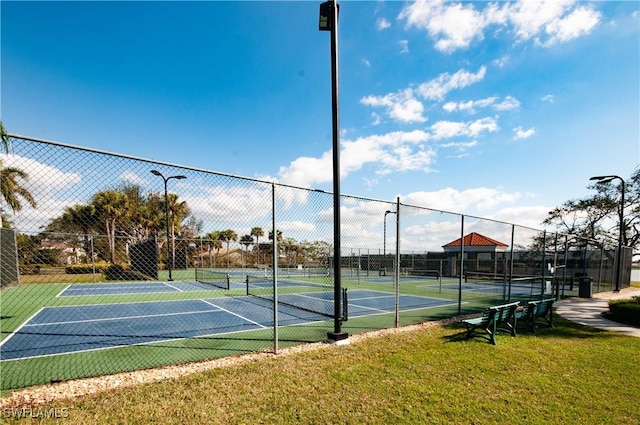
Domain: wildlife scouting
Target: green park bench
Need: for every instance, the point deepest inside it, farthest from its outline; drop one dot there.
(494, 319)
(537, 313)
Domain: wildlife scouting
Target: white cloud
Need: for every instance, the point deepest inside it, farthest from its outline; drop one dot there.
(507, 104)
(453, 25)
(581, 21)
(460, 149)
(552, 22)
(401, 106)
(404, 46)
(449, 199)
(288, 227)
(396, 151)
(520, 133)
(230, 204)
(501, 62)
(133, 178)
(382, 24)
(469, 106)
(437, 88)
(549, 98)
(42, 178)
(305, 171)
(448, 129)
(530, 216)
(462, 146)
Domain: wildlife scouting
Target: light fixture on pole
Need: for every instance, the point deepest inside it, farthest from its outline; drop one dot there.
(166, 213)
(609, 179)
(328, 21)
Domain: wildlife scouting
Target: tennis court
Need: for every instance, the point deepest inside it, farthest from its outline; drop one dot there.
(79, 328)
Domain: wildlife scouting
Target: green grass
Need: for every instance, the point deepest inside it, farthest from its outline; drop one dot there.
(569, 375)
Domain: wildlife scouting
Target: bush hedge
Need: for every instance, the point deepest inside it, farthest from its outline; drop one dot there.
(118, 272)
(626, 311)
(85, 268)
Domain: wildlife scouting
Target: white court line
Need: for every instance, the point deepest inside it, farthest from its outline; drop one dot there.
(111, 319)
(125, 346)
(235, 314)
(63, 290)
(21, 326)
(171, 286)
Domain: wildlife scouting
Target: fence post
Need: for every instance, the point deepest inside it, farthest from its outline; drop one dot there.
(396, 269)
(460, 277)
(274, 265)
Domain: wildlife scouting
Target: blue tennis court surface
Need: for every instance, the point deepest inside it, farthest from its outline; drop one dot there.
(60, 330)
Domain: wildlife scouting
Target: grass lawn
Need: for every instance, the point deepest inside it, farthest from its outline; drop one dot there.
(567, 375)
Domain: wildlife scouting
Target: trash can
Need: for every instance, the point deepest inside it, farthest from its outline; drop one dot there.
(585, 287)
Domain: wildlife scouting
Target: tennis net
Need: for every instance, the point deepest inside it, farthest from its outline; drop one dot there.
(213, 278)
(420, 273)
(312, 297)
(518, 283)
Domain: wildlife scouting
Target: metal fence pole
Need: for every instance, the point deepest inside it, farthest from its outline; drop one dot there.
(274, 265)
(396, 269)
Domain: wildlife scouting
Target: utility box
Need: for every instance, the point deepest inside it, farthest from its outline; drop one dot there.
(585, 287)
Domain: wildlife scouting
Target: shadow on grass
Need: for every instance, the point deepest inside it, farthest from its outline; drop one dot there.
(562, 328)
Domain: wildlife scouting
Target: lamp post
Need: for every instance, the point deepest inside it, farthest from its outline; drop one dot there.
(328, 21)
(166, 212)
(384, 241)
(608, 179)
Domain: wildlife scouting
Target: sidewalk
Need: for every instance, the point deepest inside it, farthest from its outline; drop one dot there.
(587, 311)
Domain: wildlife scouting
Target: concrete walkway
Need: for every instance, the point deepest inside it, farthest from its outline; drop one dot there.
(588, 311)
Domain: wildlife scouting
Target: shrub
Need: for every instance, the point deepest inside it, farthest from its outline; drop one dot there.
(83, 268)
(626, 311)
(122, 272)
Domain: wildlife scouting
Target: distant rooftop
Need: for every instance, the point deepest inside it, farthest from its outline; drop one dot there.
(476, 239)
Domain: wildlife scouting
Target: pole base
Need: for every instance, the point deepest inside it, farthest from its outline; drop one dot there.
(338, 338)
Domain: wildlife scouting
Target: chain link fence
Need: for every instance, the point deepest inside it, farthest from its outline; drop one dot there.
(111, 263)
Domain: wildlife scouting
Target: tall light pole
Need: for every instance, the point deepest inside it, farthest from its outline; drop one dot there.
(608, 179)
(166, 213)
(328, 21)
(384, 241)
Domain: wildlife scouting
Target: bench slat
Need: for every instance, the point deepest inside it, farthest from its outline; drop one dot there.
(538, 313)
(493, 319)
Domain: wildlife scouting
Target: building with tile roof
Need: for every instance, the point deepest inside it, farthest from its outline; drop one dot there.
(475, 242)
(480, 253)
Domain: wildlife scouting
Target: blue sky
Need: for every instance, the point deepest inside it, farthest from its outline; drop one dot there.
(501, 110)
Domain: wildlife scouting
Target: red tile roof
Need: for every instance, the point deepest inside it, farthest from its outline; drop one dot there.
(476, 239)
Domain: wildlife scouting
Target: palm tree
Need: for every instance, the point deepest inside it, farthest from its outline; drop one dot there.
(178, 212)
(246, 240)
(80, 218)
(11, 189)
(278, 239)
(4, 138)
(257, 232)
(10, 186)
(214, 243)
(111, 206)
(228, 236)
